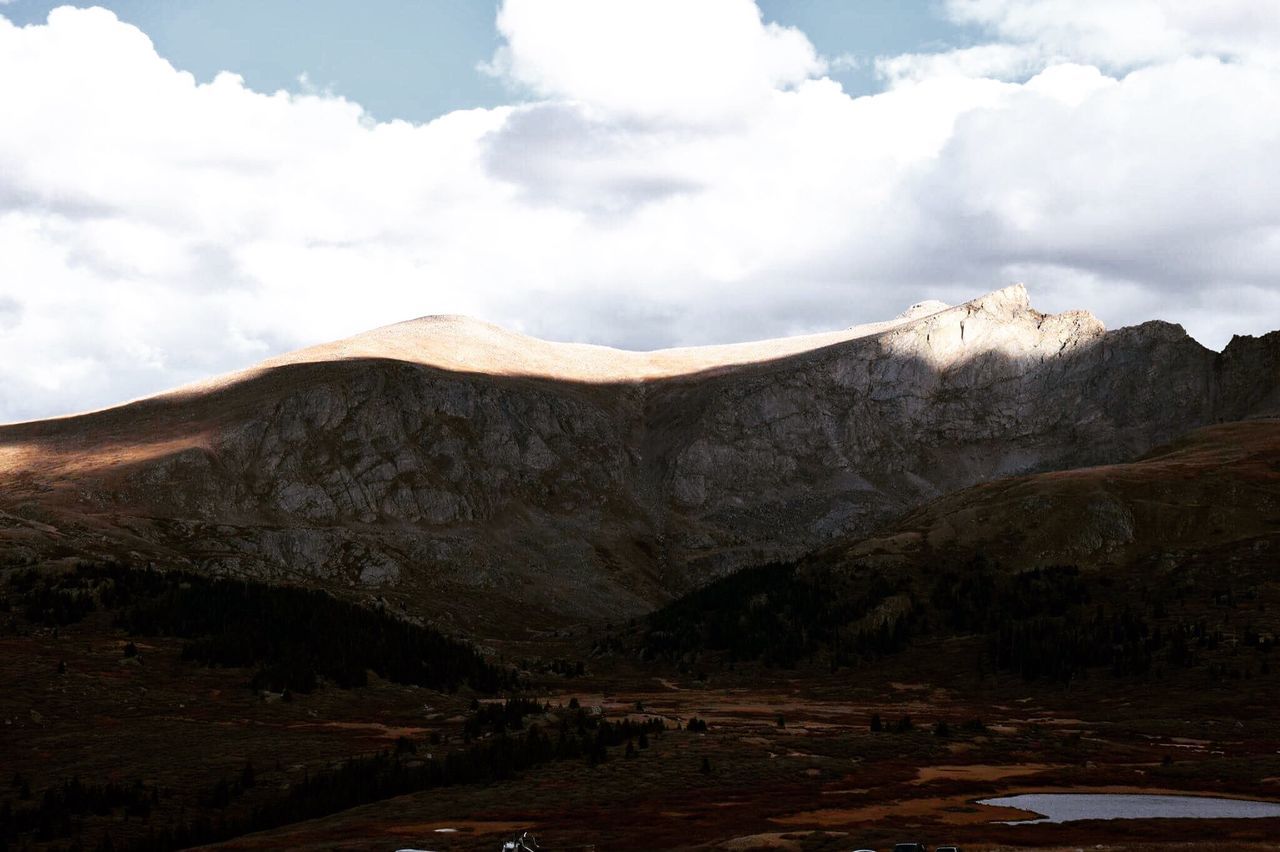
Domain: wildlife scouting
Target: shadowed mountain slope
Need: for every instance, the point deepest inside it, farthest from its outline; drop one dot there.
(1213, 492)
(466, 470)
(1137, 568)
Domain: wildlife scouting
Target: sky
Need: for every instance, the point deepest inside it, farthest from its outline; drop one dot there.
(416, 61)
(187, 188)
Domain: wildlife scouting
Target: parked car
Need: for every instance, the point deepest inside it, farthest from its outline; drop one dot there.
(946, 849)
(524, 843)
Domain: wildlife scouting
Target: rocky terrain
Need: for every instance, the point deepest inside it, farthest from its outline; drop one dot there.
(467, 471)
(1211, 497)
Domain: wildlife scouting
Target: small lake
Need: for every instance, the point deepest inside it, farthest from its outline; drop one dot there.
(1068, 807)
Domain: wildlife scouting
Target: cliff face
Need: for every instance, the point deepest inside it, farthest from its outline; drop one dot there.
(445, 461)
(1209, 499)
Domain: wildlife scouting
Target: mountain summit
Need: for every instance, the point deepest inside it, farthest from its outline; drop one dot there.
(462, 344)
(462, 468)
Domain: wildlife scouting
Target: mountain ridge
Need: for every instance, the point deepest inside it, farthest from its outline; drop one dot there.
(452, 489)
(461, 343)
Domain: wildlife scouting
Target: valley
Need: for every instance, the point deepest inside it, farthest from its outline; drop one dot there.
(788, 759)
(438, 584)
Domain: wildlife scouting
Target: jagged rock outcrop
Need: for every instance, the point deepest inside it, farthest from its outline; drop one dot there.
(442, 458)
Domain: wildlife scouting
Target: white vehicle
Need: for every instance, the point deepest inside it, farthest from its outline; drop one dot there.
(524, 843)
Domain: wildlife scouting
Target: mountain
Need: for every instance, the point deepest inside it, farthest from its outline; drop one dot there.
(474, 474)
(1124, 566)
(1212, 495)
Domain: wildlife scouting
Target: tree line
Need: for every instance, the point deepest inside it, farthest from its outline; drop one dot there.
(361, 779)
(1051, 623)
(291, 636)
(781, 614)
(52, 815)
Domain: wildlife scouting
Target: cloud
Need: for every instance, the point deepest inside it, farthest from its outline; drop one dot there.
(1130, 34)
(662, 59)
(668, 173)
(1031, 35)
(997, 61)
(560, 155)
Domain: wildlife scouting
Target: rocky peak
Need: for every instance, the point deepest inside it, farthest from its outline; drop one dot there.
(923, 309)
(1007, 303)
(451, 460)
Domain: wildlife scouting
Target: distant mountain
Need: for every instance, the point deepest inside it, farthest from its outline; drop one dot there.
(472, 473)
(1142, 567)
(1212, 495)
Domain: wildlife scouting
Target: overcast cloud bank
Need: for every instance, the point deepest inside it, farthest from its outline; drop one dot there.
(667, 173)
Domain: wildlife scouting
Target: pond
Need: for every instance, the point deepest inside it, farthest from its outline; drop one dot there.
(1067, 807)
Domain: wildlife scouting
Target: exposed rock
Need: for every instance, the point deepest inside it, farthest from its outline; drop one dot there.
(444, 456)
(1213, 494)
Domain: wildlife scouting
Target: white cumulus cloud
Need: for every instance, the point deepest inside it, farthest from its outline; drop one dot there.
(1131, 33)
(667, 173)
(671, 59)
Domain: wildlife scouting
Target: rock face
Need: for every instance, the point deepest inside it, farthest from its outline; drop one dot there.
(447, 462)
(1211, 497)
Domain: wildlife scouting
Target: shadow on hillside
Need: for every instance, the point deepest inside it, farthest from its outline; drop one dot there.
(1109, 372)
